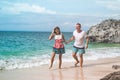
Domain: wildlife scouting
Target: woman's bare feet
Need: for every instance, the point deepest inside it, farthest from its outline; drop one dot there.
(81, 66)
(59, 67)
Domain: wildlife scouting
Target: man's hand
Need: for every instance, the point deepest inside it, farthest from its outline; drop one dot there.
(86, 46)
(66, 42)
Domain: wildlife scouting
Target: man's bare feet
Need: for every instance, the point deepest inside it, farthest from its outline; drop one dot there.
(50, 67)
(76, 64)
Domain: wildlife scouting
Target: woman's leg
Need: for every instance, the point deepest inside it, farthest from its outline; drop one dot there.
(52, 60)
(60, 60)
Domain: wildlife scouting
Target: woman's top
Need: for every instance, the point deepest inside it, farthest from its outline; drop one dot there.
(58, 41)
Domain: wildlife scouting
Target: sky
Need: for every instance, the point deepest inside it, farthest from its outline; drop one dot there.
(44, 15)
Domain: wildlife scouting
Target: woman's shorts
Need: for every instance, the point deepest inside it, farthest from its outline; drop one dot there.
(59, 51)
(80, 50)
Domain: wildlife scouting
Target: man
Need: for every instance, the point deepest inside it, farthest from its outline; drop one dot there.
(79, 45)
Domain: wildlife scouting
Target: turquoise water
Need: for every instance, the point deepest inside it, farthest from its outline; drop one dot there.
(23, 43)
(29, 49)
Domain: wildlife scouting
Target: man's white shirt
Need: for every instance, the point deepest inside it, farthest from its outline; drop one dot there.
(79, 39)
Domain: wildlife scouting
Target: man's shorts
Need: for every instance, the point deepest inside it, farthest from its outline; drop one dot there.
(78, 50)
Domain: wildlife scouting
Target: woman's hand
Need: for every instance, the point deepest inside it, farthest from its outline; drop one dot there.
(52, 35)
(53, 32)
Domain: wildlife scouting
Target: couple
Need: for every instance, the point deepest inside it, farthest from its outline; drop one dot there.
(78, 35)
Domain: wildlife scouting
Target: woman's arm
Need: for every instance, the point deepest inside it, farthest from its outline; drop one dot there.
(63, 38)
(51, 36)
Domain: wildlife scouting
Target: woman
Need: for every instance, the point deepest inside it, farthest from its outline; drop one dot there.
(58, 47)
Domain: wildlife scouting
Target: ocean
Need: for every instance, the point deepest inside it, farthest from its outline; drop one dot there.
(30, 49)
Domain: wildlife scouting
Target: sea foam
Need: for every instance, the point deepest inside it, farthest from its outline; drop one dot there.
(38, 60)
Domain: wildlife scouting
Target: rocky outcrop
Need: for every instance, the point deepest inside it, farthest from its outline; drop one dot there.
(112, 76)
(116, 66)
(106, 31)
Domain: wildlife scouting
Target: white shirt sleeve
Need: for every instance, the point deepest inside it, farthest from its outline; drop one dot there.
(74, 33)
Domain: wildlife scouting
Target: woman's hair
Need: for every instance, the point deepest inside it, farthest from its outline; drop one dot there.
(58, 29)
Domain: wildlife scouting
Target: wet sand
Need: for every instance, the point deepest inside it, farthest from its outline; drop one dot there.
(92, 70)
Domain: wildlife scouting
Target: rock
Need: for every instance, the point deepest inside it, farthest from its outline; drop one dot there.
(116, 66)
(112, 76)
(106, 31)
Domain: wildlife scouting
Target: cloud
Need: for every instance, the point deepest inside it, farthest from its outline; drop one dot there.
(18, 8)
(66, 23)
(110, 4)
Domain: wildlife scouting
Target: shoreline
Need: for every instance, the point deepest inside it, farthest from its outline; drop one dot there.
(92, 70)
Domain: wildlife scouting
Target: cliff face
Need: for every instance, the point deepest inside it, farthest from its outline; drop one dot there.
(106, 31)
(112, 76)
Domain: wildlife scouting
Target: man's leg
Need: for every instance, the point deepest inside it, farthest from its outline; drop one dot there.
(76, 58)
(81, 60)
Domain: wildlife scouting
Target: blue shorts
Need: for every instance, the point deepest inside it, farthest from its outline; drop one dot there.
(59, 51)
(80, 50)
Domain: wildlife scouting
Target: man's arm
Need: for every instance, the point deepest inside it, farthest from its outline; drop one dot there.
(87, 41)
(71, 39)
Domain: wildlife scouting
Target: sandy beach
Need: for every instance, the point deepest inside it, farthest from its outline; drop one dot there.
(92, 70)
